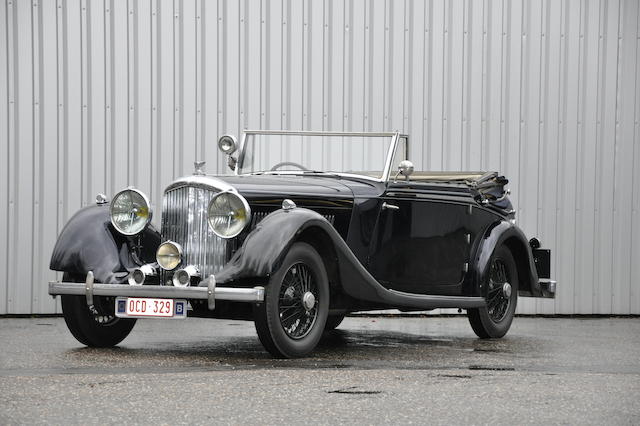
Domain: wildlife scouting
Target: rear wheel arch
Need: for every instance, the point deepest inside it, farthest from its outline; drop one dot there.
(519, 252)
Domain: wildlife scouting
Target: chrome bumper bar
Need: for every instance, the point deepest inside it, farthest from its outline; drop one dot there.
(548, 287)
(209, 293)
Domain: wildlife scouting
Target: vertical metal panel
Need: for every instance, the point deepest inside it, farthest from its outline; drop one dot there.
(98, 95)
(635, 249)
(46, 198)
(623, 166)
(607, 91)
(6, 126)
(550, 141)
(21, 177)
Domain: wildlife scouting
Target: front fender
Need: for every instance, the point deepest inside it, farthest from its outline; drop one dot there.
(265, 247)
(503, 232)
(88, 242)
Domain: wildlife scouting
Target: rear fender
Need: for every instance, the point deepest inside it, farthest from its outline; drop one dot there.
(506, 233)
(88, 242)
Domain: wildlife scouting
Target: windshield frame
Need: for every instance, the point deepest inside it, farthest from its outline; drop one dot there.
(395, 140)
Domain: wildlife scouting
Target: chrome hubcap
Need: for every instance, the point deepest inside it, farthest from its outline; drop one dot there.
(308, 301)
(506, 289)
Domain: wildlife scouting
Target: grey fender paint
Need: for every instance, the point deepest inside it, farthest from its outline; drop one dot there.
(88, 242)
(503, 232)
(264, 248)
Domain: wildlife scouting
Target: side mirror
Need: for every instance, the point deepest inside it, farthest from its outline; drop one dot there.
(405, 168)
(228, 144)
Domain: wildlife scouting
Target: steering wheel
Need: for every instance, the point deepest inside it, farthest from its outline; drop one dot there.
(288, 163)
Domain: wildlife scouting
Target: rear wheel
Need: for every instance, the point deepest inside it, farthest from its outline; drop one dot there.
(100, 328)
(292, 318)
(494, 320)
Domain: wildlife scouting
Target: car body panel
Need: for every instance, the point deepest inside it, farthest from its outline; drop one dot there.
(88, 242)
(266, 246)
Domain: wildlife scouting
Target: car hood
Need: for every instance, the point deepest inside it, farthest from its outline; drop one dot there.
(302, 186)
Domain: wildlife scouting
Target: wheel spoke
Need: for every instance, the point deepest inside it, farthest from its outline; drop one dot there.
(294, 315)
(497, 303)
(296, 320)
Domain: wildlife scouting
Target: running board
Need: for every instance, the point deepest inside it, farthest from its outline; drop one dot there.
(433, 302)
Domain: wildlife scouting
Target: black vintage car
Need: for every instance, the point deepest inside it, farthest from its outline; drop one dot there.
(311, 226)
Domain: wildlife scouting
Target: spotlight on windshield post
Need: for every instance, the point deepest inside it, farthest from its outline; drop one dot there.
(228, 144)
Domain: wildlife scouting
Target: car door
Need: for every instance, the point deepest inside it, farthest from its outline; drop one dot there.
(421, 244)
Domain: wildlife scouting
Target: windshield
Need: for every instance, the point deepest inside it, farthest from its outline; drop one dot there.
(361, 154)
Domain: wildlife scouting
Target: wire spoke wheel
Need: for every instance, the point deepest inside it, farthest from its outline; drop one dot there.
(292, 318)
(498, 300)
(298, 301)
(501, 295)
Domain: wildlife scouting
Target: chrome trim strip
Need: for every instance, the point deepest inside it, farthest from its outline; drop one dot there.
(298, 173)
(205, 182)
(88, 289)
(240, 154)
(390, 154)
(385, 175)
(319, 133)
(255, 294)
(211, 291)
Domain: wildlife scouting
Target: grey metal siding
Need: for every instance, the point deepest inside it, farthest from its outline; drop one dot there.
(98, 95)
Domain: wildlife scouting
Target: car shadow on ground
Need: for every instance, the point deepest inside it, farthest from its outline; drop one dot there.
(341, 348)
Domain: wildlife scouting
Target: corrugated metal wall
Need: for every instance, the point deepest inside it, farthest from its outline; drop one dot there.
(97, 95)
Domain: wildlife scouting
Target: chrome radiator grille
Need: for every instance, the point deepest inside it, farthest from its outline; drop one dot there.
(184, 220)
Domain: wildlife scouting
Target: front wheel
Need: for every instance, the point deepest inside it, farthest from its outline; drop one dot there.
(494, 320)
(100, 328)
(292, 318)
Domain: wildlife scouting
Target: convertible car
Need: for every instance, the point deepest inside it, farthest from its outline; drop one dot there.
(309, 227)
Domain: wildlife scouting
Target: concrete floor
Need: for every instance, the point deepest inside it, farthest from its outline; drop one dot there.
(371, 370)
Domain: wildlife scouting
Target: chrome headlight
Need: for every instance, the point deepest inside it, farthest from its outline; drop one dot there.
(228, 214)
(130, 211)
(169, 255)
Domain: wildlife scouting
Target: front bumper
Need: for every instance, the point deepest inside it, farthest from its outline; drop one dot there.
(211, 293)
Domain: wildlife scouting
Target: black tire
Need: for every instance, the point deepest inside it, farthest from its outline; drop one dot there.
(100, 331)
(333, 321)
(494, 320)
(286, 328)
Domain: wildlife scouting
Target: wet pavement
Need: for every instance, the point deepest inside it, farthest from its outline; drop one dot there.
(371, 370)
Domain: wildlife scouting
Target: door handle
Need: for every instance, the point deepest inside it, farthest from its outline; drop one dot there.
(388, 206)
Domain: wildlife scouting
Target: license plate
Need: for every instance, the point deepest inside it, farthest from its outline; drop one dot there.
(147, 307)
